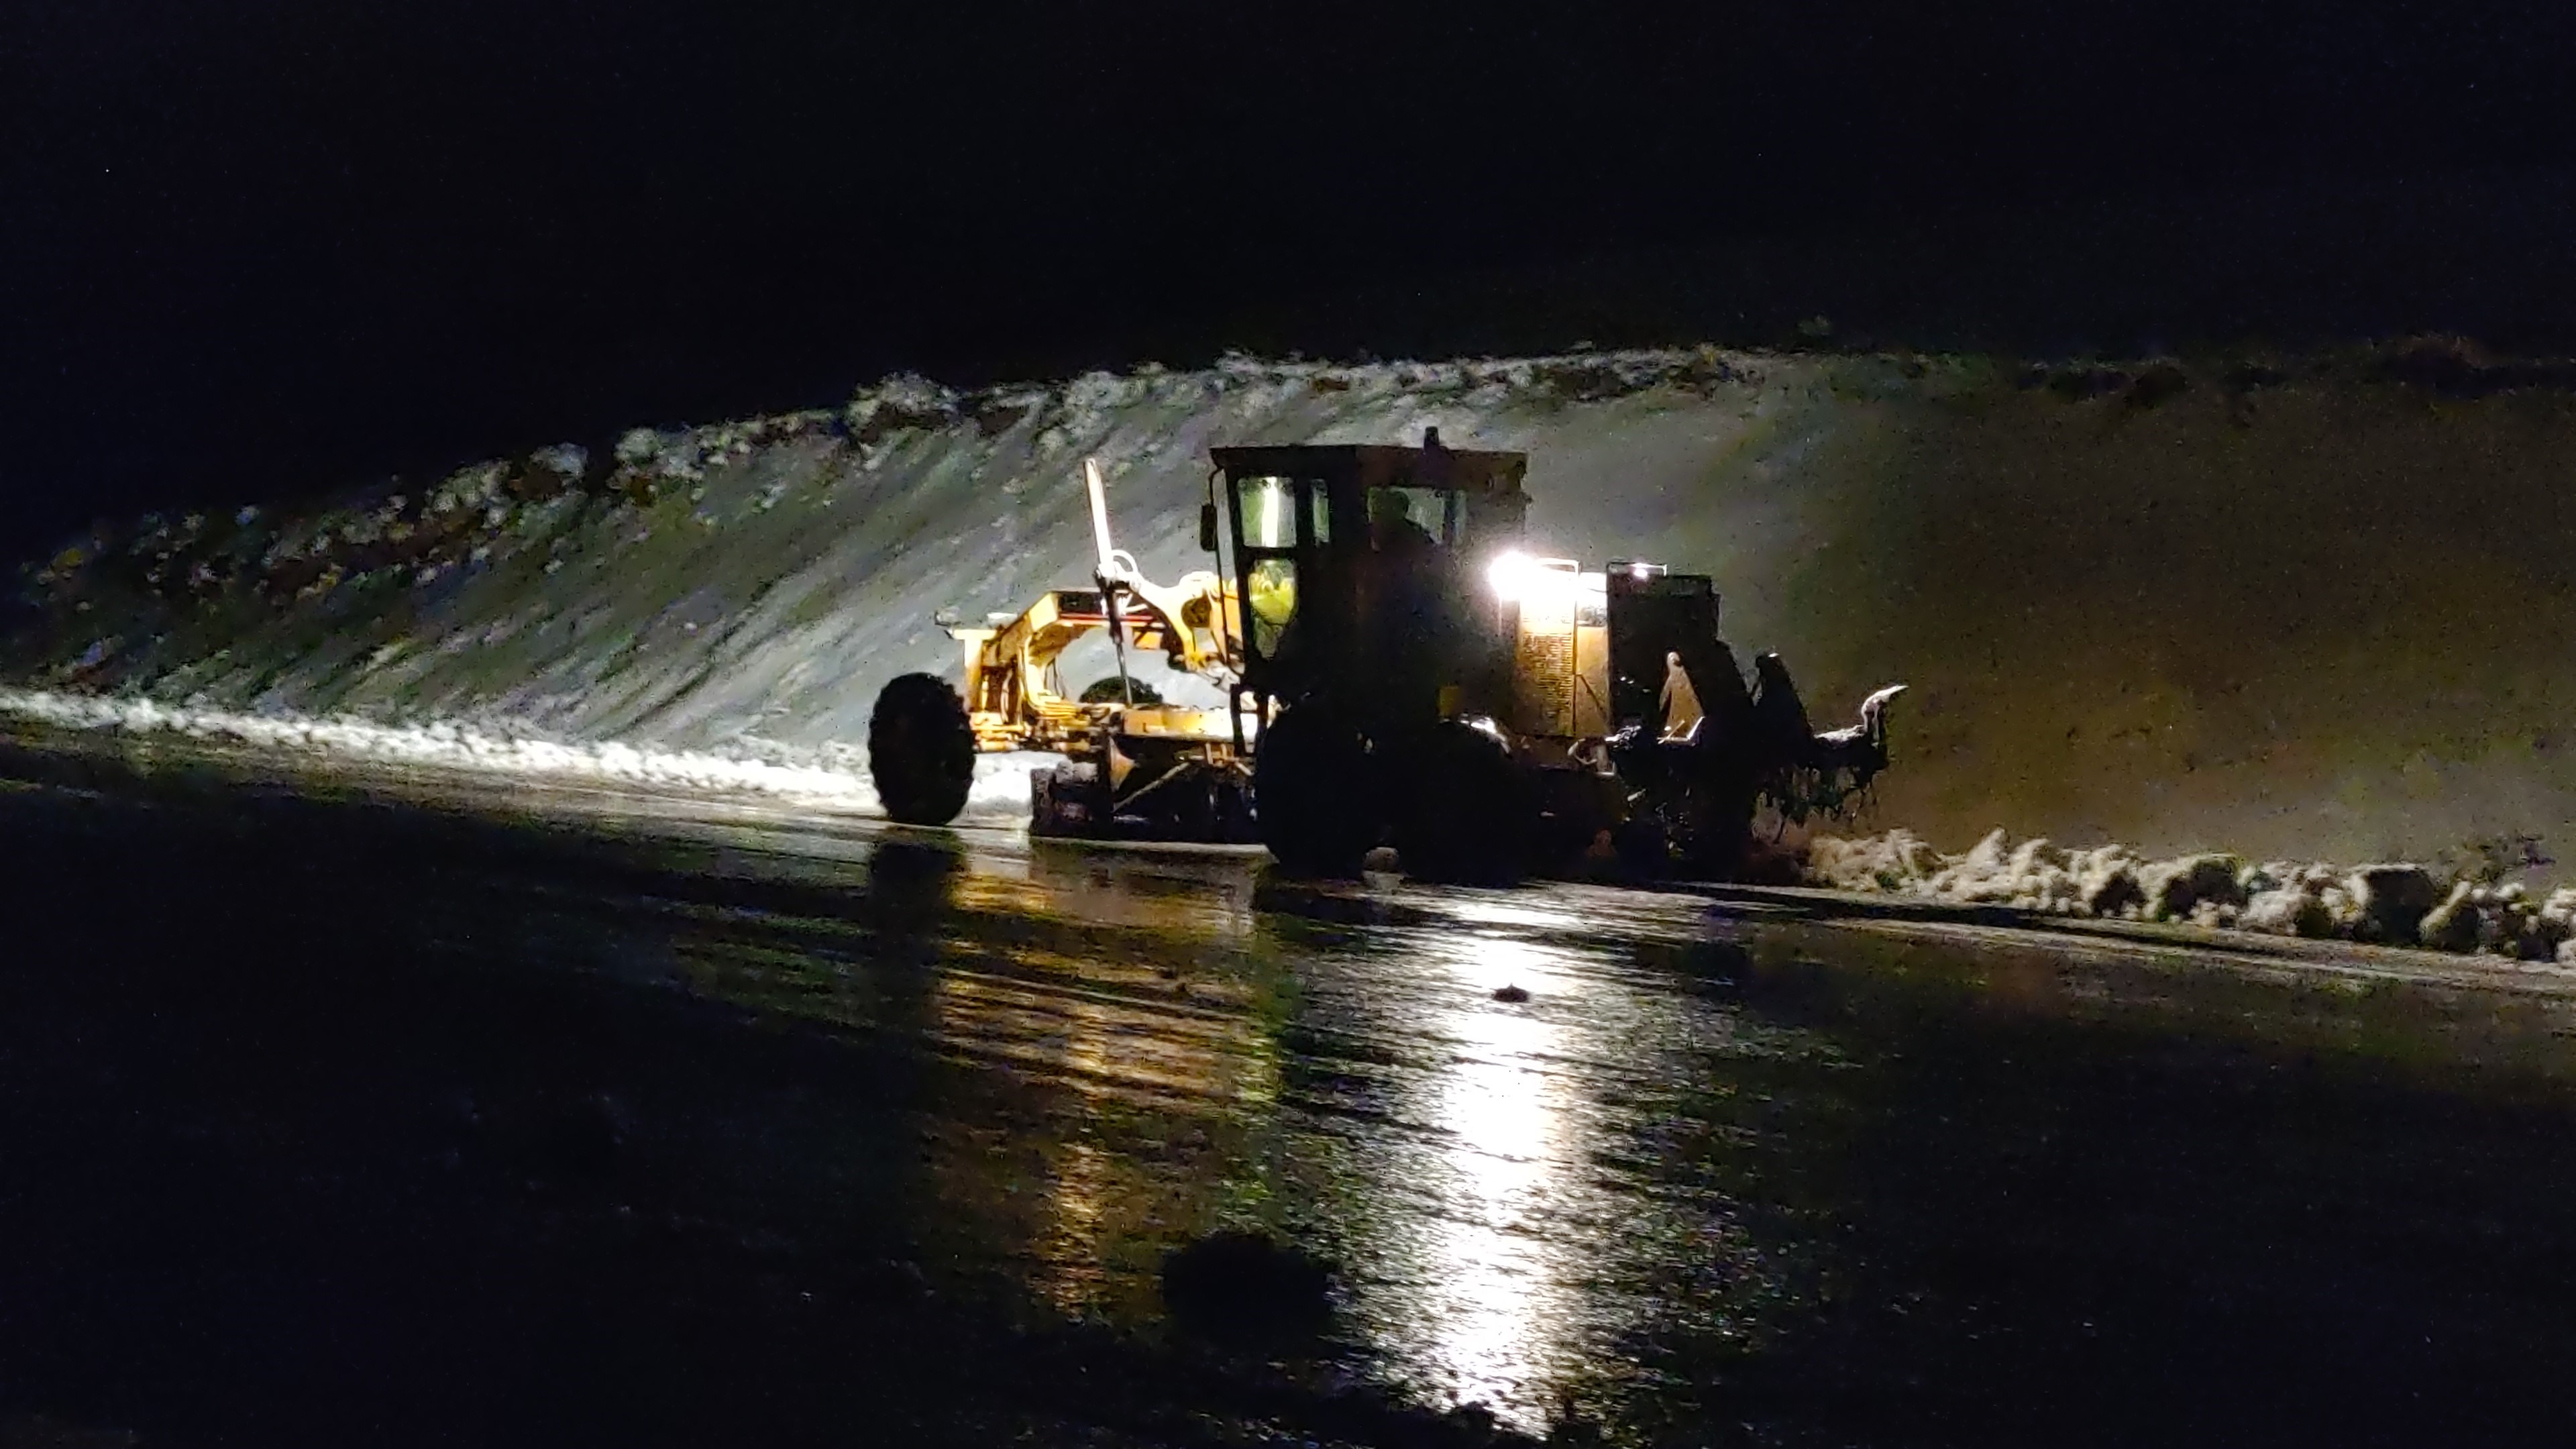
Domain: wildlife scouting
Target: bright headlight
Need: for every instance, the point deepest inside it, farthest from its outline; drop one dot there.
(1520, 579)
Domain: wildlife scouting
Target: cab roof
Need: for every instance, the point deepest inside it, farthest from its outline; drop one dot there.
(1381, 465)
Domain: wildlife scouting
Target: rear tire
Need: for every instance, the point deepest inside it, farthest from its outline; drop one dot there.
(921, 750)
(1470, 818)
(1720, 829)
(1311, 794)
(1644, 852)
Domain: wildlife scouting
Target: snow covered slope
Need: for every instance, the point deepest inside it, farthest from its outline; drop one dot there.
(2314, 607)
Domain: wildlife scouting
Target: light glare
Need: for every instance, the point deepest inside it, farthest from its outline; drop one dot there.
(1518, 578)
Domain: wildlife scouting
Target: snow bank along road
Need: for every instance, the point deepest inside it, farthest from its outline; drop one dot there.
(2286, 607)
(2293, 608)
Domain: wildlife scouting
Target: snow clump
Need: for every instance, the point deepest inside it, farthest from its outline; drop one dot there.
(2396, 903)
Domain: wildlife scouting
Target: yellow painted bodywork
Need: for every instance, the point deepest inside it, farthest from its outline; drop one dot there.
(1194, 625)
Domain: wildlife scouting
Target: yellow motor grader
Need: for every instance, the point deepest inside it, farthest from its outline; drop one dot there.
(1394, 670)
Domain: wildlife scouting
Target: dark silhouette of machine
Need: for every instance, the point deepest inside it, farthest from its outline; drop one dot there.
(1397, 671)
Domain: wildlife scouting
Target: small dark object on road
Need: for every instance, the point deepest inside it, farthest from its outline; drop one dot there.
(1511, 993)
(584, 1139)
(1239, 1284)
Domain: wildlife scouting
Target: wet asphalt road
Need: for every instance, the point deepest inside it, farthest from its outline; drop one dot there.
(563, 1118)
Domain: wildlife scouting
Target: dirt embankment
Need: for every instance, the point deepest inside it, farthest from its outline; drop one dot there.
(2291, 608)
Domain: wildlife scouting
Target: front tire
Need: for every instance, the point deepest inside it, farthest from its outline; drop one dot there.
(1311, 795)
(921, 750)
(1470, 818)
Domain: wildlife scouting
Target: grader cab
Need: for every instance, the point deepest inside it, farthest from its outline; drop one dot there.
(1394, 671)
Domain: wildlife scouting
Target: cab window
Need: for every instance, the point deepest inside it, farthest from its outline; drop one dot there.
(1269, 512)
(1279, 516)
(1401, 518)
(1273, 603)
(1271, 507)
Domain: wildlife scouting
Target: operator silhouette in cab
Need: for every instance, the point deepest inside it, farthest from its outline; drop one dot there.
(1405, 639)
(1391, 525)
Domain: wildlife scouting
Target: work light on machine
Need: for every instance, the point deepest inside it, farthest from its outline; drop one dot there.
(1518, 578)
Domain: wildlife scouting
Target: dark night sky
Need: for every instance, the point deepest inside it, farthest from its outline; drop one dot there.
(259, 248)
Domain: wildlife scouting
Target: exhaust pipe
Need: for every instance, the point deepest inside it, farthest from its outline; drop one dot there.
(1108, 573)
(1107, 561)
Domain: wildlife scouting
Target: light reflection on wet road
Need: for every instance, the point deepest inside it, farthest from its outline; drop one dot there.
(1631, 1187)
(1843, 1182)
(1441, 1144)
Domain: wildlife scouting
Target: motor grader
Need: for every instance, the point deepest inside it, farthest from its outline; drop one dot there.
(1394, 670)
